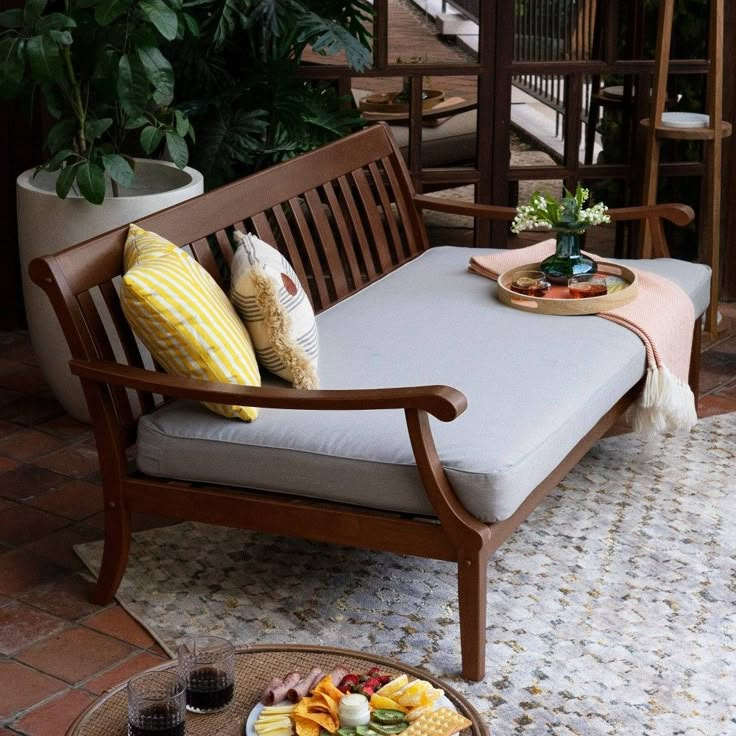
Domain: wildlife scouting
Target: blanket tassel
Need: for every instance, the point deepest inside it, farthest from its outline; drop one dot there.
(667, 404)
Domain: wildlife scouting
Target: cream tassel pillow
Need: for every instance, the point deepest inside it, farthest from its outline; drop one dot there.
(276, 310)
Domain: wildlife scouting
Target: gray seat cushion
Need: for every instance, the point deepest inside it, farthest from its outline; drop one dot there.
(535, 385)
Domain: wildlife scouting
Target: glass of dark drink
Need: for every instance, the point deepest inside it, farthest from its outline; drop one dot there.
(584, 287)
(207, 666)
(530, 283)
(157, 704)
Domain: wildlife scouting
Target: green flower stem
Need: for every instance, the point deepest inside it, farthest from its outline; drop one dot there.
(77, 105)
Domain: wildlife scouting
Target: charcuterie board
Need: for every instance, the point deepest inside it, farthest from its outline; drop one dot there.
(624, 288)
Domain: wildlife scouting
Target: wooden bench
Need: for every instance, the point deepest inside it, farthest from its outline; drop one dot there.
(345, 216)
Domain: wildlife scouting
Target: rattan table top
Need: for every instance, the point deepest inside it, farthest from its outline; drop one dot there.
(254, 668)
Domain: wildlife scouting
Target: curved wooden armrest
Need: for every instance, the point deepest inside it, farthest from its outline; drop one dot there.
(470, 209)
(443, 402)
(679, 214)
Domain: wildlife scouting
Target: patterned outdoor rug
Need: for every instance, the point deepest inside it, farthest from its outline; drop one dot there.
(611, 611)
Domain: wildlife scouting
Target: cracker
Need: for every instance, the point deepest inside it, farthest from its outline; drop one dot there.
(440, 722)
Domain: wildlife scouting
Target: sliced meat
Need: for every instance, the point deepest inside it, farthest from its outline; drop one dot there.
(337, 674)
(267, 695)
(277, 694)
(304, 685)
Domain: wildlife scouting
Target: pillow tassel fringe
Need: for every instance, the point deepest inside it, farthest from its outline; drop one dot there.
(279, 326)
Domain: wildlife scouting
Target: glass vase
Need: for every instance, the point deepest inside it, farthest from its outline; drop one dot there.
(567, 261)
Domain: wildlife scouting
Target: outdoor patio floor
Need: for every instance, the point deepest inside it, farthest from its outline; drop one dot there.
(58, 651)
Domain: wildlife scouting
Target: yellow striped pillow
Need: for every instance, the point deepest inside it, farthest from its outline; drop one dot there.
(182, 316)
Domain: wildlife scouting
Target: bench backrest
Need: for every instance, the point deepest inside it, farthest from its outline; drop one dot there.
(342, 215)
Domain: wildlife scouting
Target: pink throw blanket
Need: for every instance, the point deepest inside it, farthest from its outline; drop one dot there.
(662, 316)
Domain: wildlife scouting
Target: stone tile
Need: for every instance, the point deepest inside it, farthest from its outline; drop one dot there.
(117, 622)
(20, 571)
(59, 546)
(78, 461)
(20, 524)
(21, 625)
(54, 717)
(122, 672)
(6, 465)
(7, 428)
(75, 654)
(26, 482)
(21, 687)
(31, 410)
(27, 444)
(67, 597)
(709, 406)
(716, 369)
(76, 500)
(67, 428)
(25, 378)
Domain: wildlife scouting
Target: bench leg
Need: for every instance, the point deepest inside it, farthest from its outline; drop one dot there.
(114, 555)
(472, 583)
(694, 377)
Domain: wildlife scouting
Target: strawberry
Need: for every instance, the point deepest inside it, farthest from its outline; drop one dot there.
(374, 672)
(349, 683)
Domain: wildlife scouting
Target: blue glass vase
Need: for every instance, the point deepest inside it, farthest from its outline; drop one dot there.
(567, 261)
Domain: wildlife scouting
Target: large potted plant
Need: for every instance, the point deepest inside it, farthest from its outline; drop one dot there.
(100, 69)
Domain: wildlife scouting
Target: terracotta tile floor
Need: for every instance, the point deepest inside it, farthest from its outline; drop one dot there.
(57, 650)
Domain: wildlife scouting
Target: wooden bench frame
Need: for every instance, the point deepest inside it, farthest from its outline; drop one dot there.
(344, 216)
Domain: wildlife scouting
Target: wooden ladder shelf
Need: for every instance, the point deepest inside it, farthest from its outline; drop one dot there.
(712, 137)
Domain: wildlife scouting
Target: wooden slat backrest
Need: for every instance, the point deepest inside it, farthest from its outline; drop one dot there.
(341, 215)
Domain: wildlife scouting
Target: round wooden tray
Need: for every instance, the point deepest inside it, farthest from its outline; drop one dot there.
(566, 305)
(255, 666)
(384, 102)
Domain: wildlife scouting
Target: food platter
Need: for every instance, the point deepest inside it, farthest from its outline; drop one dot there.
(387, 102)
(249, 730)
(343, 703)
(558, 301)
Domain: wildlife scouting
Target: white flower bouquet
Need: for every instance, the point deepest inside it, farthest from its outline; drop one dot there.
(567, 215)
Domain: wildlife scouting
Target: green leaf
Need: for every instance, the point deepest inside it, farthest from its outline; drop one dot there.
(159, 72)
(61, 135)
(182, 124)
(136, 122)
(61, 38)
(65, 180)
(45, 58)
(329, 37)
(177, 149)
(151, 139)
(118, 169)
(132, 85)
(95, 128)
(12, 67)
(11, 18)
(108, 10)
(56, 22)
(190, 23)
(91, 181)
(59, 159)
(161, 16)
(33, 10)
(54, 97)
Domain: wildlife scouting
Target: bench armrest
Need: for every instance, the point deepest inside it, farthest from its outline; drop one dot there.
(679, 214)
(443, 402)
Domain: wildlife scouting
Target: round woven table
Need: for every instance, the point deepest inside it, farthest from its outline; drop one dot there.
(254, 668)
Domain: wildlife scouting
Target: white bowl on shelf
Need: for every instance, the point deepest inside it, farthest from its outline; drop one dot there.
(685, 120)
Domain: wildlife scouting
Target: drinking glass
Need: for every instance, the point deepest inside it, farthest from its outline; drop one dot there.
(207, 666)
(584, 287)
(156, 704)
(531, 283)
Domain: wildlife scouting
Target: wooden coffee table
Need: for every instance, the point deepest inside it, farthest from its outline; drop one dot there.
(254, 668)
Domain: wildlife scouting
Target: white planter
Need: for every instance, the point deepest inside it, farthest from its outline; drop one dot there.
(47, 224)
